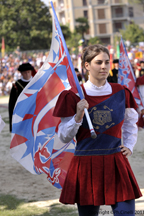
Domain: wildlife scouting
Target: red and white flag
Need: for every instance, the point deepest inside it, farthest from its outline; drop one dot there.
(126, 75)
(35, 143)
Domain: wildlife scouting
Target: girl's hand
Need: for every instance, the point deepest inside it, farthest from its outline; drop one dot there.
(80, 110)
(125, 151)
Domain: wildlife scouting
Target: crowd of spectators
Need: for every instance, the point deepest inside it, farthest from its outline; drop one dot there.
(9, 64)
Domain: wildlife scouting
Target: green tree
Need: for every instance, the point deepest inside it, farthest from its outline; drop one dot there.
(133, 33)
(25, 23)
(72, 42)
(82, 26)
(94, 40)
(66, 31)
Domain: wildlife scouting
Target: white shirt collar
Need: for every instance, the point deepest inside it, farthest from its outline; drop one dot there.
(94, 90)
(26, 80)
(96, 87)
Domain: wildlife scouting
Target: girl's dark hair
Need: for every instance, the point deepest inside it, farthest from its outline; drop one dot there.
(91, 51)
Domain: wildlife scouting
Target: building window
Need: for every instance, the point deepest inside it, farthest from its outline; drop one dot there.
(85, 14)
(101, 13)
(62, 18)
(119, 12)
(105, 41)
(61, 3)
(131, 14)
(102, 28)
(117, 26)
(100, 1)
(84, 2)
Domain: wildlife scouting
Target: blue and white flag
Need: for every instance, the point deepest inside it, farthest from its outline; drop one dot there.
(35, 144)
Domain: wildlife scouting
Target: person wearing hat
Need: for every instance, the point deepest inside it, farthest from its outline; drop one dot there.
(27, 71)
(79, 76)
(141, 73)
(113, 78)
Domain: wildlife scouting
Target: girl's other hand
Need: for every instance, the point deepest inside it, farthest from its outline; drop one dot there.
(125, 151)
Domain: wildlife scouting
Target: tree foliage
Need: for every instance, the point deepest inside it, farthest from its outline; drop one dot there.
(25, 23)
(94, 40)
(72, 42)
(66, 31)
(82, 25)
(133, 33)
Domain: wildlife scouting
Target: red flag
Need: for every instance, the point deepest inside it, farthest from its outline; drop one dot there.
(126, 75)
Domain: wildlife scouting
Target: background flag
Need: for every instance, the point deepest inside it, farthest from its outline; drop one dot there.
(3, 48)
(111, 51)
(126, 75)
(118, 50)
(35, 144)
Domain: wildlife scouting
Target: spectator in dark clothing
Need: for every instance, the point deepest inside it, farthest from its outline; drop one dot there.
(114, 77)
(79, 76)
(141, 73)
(26, 72)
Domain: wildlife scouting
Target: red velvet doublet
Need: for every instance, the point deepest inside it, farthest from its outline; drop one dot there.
(97, 179)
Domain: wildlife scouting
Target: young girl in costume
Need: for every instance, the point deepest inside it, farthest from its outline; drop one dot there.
(99, 173)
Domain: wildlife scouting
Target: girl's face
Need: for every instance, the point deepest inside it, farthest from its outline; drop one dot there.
(98, 69)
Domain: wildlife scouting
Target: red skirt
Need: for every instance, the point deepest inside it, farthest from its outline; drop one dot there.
(99, 180)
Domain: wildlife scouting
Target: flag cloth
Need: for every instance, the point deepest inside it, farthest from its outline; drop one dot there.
(35, 143)
(3, 48)
(118, 50)
(111, 51)
(126, 75)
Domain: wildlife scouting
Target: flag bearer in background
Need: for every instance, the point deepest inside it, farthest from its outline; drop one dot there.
(99, 173)
(27, 70)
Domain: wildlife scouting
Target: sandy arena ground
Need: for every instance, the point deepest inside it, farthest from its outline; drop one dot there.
(16, 180)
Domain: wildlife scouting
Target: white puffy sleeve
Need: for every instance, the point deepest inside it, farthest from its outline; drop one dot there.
(68, 128)
(129, 128)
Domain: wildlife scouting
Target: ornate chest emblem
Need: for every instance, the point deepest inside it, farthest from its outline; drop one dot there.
(102, 117)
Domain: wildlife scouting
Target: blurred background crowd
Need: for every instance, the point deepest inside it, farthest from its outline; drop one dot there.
(10, 62)
(26, 37)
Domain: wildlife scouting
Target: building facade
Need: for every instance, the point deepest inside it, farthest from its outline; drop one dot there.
(106, 17)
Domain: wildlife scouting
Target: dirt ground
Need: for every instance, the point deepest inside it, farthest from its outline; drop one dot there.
(16, 180)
